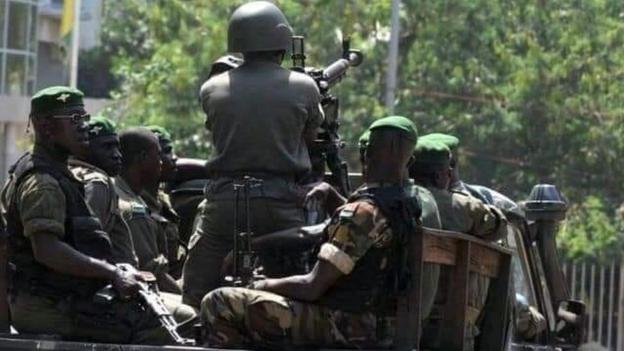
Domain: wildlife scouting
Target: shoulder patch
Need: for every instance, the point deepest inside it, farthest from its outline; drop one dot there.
(138, 209)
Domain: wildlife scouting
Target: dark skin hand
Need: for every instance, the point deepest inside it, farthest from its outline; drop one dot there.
(308, 287)
(327, 194)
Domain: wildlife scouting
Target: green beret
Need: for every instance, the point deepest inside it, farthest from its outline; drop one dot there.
(162, 133)
(55, 98)
(364, 138)
(452, 142)
(100, 126)
(398, 122)
(431, 151)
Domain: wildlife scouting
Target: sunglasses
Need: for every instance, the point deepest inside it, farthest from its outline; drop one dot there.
(74, 117)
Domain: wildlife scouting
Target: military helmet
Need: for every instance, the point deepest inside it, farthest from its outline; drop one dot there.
(258, 26)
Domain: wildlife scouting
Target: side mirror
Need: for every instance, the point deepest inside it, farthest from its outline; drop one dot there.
(571, 326)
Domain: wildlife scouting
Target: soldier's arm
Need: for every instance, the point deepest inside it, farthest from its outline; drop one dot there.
(349, 241)
(489, 223)
(41, 204)
(51, 252)
(97, 196)
(316, 116)
(308, 287)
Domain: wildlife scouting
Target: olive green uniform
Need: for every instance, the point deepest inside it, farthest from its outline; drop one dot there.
(150, 245)
(258, 114)
(168, 220)
(103, 200)
(238, 317)
(38, 303)
(465, 214)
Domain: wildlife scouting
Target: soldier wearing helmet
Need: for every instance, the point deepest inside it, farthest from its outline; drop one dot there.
(262, 117)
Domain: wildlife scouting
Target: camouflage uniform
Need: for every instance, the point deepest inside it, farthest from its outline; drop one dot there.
(237, 317)
(465, 214)
(41, 308)
(168, 220)
(103, 200)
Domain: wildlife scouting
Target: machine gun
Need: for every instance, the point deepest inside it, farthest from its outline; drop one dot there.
(328, 142)
(148, 294)
(244, 257)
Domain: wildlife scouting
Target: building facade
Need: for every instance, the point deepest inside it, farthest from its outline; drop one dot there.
(32, 58)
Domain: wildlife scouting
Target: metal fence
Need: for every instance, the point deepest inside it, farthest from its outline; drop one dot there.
(602, 289)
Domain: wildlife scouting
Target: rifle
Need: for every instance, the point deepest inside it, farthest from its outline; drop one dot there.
(243, 255)
(328, 142)
(148, 294)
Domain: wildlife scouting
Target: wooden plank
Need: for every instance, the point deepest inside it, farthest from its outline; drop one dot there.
(440, 250)
(454, 326)
(610, 323)
(485, 261)
(409, 306)
(493, 328)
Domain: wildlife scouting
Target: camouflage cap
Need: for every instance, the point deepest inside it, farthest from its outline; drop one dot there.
(431, 151)
(364, 138)
(398, 122)
(452, 142)
(162, 133)
(55, 98)
(100, 126)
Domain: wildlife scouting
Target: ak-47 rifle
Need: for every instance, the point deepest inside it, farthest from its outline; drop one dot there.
(328, 142)
(243, 256)
(148, 294)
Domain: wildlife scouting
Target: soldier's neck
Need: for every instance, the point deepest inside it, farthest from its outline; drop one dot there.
(384, 176)
(133, 179)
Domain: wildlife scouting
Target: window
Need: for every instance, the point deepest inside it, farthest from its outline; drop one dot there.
(18, 22)
(15, 75)
(3, 4)
(18, 46)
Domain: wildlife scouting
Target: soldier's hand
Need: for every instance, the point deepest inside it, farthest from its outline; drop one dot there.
(127, 284)
(318, 193)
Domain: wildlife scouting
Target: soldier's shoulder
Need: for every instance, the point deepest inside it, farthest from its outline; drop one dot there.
(89, 174)
(302, 81)
(36, 181)
(359, 212)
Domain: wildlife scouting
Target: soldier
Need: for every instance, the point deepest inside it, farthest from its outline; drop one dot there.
(348, 299)
(528, 320)
(59, 252)
(95, 170)
(458, 212)
(160, 206)
(262, 117)
(455, 184)
(429, 217)
(141, 166)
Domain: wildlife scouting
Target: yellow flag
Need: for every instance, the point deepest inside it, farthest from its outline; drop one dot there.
(67, 21)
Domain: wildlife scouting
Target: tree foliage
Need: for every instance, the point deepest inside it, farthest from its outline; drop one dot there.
(532, 88)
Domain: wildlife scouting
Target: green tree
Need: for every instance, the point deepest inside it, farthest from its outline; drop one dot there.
(532, 88)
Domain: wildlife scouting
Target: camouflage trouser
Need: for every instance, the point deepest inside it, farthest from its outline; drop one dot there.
(478, 286)
(239, 317)
(119, 322)
(212, 240)
(185, 315)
